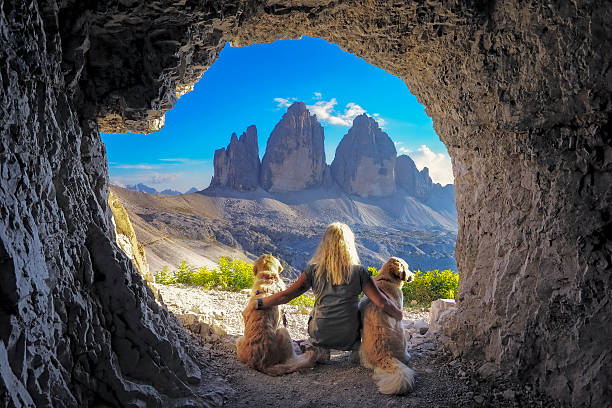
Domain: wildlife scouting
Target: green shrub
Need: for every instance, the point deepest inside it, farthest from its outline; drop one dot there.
(304, 301)
(373, 271)
(431, 285)
(164, 277)
(232, 274)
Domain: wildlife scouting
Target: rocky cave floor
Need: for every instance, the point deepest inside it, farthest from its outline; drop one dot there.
(213, 321)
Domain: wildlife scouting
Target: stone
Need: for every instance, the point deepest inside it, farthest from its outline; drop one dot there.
(437, 308)
(219, 329)
(364, 164)
(237, 166)
(295, 155)
(421, 326)
(509, 395)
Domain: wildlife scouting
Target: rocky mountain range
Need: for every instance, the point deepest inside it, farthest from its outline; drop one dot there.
(366, 163)
(283, 203)
(143, 188)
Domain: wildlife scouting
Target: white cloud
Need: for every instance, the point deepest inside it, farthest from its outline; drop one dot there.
(402, 149)
(114, 181)
(133, 166)
(439, 164)
(183, 161)
(326, 110)
(283, 102)
(381, 121)
(159, 178)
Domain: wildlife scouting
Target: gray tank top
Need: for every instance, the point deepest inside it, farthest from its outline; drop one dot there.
(334, 320)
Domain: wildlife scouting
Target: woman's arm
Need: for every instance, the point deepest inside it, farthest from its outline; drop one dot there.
(381, 300)
(300, 286)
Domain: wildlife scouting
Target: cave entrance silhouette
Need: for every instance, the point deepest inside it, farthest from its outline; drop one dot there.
(519, 92)
(488, 91)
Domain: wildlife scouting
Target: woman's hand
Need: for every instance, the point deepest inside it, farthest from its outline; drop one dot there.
(381, 300)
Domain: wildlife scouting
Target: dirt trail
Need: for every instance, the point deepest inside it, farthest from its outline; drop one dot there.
(440, 382)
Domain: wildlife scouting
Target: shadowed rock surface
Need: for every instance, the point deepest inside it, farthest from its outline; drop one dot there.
(295, 155)
(237, 166)
(520, 93)
(364, 163)
(417, 183)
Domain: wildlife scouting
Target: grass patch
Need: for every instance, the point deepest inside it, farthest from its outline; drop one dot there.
(303, 301)
(428, 286)
(232, 275)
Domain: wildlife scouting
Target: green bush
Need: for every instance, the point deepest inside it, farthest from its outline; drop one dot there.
(304, 301)
(164, 277)
(373, 271)
(431, 285)
(232, 274)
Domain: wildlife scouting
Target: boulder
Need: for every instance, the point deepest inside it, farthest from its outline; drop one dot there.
(364, 163)
(295, 154)
(421, 326)
(439, 308)
(237, 166)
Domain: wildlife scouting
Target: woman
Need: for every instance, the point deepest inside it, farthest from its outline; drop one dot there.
(337, 279)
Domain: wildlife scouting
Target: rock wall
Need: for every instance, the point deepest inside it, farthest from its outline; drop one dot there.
(126, 237)
(78, 327)
(237, 167)
(295, 155)
(364, 163)
(518, 91)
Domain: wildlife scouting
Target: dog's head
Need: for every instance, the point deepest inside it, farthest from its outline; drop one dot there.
(396, 270)
(267, 267)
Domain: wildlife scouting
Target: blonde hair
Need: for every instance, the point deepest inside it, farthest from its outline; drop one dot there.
(336, 254)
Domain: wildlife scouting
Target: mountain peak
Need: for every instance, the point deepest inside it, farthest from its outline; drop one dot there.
(297, 108)
(237, 166)
(364, 163)
(295, 154)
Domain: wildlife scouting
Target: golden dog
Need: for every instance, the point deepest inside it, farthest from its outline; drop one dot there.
(265, 346)
(383, 343)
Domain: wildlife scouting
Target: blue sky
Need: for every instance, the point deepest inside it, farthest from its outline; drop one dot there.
(254, 85)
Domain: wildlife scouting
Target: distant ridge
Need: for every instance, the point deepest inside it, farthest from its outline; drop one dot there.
(143, 188)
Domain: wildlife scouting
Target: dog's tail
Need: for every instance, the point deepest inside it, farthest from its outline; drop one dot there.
(295, 363)
(394, 377)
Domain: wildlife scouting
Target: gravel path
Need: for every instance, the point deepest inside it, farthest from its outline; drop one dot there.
(214, 321)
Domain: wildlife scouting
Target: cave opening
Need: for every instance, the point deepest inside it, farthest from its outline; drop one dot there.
(391, 180)
(519, 92)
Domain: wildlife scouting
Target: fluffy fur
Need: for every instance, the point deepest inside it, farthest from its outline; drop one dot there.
(383, 343)
(265, 346)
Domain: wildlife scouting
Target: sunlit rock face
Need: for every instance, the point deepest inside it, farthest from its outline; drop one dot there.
(126, 237)
(237, 167)
(520, 93)
(295, 155)
(364, 163)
